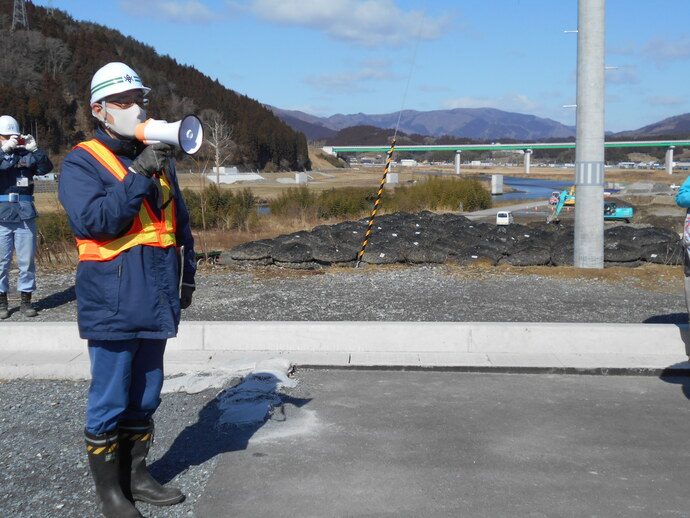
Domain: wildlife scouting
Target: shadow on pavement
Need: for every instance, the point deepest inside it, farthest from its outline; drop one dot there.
(678, 379)
(56, 299)
(671, 318)
(225, 424)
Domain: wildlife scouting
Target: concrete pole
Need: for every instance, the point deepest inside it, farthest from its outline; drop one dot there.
(528, 155)
(496, 184)
(669, 159)
(457, 161)
(392, 178)
(589, 153)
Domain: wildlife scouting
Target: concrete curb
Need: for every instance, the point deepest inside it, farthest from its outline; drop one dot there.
(55, 351)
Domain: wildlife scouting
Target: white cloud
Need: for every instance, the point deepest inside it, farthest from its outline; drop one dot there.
(335, 83)
(350, 81)
(368, 23)
(508, 102)
(666, 50)
(187, 11)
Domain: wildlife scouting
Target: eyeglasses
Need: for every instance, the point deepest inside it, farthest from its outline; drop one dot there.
(127, 102)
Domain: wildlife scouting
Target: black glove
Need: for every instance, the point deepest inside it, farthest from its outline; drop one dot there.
(186, 296)
(151, 160)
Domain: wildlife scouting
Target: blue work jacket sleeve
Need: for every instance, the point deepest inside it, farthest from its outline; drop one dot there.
(38, 162)
(683, 194)
(22, 163)
(98, 205)
(13, 167)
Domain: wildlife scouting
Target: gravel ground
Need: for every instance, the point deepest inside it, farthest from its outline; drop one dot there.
(44, 471)
(424, 293)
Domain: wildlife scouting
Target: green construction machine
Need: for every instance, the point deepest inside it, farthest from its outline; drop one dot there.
(611, 211)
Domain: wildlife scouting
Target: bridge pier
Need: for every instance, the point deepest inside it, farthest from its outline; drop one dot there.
(391, 178)
(669, 159)
(496, 184)
(528, 155)
(457, 161)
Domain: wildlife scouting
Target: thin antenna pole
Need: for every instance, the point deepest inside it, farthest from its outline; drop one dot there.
(389, 158)
(379, 195)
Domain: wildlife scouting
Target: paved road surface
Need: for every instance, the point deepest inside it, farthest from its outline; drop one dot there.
(432, 444)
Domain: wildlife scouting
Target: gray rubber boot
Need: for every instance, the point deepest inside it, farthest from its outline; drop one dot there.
(105, 469)
(135, 441)
(4, 308)
(26, 308)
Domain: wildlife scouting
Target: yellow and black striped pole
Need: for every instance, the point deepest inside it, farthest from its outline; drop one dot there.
(376, 203)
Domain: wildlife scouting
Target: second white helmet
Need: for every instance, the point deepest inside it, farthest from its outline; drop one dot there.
(114, 78)
(9, 126)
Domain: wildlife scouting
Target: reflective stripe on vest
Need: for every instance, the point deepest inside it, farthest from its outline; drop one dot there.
(146, 228)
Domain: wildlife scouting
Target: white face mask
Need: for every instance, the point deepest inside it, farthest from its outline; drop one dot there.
(125, 121)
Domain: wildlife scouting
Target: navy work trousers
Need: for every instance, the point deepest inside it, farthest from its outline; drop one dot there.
(126, 382)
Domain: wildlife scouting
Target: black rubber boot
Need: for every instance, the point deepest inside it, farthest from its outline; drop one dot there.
(104, 463)
(135, 441)
(4, 308)
(26, 308)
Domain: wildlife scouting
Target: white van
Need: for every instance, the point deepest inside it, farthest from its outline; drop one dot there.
(504, 217)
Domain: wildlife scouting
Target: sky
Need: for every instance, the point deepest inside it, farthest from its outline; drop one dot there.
(325, 57)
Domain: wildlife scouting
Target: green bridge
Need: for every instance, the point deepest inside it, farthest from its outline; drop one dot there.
(493, 147)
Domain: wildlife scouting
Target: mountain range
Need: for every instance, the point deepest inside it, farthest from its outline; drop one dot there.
(471, 123)
(474, 123)
(678, 125)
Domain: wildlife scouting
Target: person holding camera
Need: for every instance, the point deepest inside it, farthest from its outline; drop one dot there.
(20, 161)
(136, 271)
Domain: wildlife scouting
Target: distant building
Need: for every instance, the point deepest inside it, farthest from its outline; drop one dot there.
(408, 162)
(225, 170)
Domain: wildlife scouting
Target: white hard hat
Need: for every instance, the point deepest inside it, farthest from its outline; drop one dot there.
(9, 126)
(114, 78)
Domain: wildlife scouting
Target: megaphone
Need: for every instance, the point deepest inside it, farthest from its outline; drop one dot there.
(187, 133)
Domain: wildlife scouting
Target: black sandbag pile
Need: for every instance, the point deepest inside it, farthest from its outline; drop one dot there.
(430, 238)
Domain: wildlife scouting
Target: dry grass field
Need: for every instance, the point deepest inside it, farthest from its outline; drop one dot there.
(371, 177)
(326, 177)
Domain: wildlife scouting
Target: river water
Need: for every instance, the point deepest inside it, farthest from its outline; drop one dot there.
(531, 188)
(524, 189)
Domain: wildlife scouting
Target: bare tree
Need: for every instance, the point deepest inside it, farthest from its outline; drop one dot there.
(178, 106)
(218, 136)
(202, 163)
(56, 55)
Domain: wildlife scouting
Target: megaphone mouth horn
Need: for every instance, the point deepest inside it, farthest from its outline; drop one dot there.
(187, 134)
(191, 134)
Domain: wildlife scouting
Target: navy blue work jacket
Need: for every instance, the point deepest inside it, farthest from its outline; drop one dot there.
(135, 294)
(13, 167)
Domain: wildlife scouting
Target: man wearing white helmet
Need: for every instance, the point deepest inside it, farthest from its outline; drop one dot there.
(20, 160)
(125, 208)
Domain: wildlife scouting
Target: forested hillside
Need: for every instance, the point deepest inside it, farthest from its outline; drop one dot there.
(45, 76)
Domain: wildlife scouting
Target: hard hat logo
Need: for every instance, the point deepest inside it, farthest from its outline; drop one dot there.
(114, 78)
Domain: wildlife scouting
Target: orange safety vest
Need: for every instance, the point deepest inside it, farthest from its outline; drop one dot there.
(146, 228)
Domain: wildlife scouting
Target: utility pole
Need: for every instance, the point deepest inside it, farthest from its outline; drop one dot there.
(19, 16)
(589, 151)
